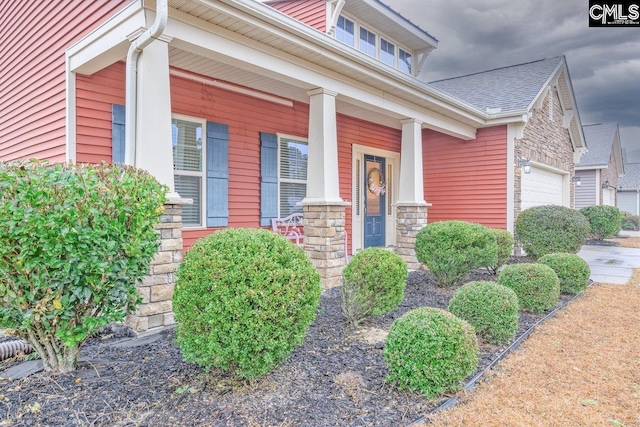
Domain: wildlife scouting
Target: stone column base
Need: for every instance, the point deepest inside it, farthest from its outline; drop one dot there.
(325, 240)
(156, 311)
(410, 218)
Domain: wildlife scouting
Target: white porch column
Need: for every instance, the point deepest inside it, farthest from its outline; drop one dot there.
(411, 186)
(153, 151)
(411, 209)
(322, 170)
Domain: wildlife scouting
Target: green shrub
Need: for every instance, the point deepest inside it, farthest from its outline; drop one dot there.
(504, 241)
(430, 351)
(451, 249)
(630, 221)
(537, 285)
(605, 221)
(550, 229)
(491, 309)
(374, 282)
(74, 240)
(572, 271)
(243, 300)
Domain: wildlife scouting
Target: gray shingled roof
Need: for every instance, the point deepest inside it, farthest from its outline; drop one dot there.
(599, 139)
(510, 88)
(631, 178)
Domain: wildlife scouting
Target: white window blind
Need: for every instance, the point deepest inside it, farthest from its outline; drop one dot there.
(188, 154)
(293, 159)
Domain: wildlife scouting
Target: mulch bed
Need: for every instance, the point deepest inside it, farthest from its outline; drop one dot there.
(335, 378)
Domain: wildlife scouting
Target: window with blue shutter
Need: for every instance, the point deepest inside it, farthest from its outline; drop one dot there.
(268, 178)
(117, 133)
(217, 175)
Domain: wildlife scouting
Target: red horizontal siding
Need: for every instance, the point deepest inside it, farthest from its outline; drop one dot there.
(311, 12)
(467, 180)
(33, 39)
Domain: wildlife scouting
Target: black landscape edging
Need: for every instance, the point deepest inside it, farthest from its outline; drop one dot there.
(451, 402)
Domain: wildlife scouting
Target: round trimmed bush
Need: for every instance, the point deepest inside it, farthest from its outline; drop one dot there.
(537, 285)
(243, 300)
(491, 309)
(630, 221)
(605, 221)
(505, 242)
(572, 271)
(551, 229)
(374, 282)
(451, 249)
(430, 351)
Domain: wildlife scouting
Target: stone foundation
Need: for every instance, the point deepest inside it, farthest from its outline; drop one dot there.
(410, 218)
(325, 240)
(156, 311)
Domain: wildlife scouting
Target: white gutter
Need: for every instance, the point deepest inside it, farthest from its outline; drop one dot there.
(154, 32)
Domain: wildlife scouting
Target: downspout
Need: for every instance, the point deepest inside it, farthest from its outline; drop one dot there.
(156, 30)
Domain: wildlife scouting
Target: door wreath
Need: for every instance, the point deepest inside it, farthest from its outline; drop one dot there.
(379, 188)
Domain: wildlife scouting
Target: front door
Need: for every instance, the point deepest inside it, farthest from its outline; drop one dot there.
(374, 201)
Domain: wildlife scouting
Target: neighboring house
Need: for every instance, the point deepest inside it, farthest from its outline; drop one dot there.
(254, 111)
(482, 182)
(629, 189)
(600, 168)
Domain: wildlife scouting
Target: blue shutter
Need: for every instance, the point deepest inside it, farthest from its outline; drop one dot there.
(117, 133)
(217, 175)
(268, 178)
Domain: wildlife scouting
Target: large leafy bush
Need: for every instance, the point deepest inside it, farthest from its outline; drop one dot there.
(504, 242)
(630, 221)
(430, 351)
(243, 300)
(605, 221)
(537, 285)
(451, 249)
(491, 309)
(572, 271)
(550, 229)
(74, 240)
(374, 282)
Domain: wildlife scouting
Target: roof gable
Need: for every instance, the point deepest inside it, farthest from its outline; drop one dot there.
(603, 140)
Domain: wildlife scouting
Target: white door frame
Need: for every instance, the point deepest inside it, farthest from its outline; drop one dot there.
(392, 169)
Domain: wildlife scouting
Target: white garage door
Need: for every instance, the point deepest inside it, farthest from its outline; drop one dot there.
(542, 187)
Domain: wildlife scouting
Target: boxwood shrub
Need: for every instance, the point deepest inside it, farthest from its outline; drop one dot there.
(74, 241)
(504, 242)
(491, 309)
(537, 285)
(374, 282)
(630, 221)
(572, 271)
(451, 249)
(550, 229)
(605, 221)
(243, 300)
(430, 351)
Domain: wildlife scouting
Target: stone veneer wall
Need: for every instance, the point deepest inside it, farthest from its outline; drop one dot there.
(409, 220)
(325, 242)
(156, 310)
(545, 140)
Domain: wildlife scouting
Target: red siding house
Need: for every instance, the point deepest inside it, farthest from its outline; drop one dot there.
(254, 111)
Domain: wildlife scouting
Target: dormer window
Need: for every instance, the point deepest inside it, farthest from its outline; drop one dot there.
(372, 43)
(345, 31)
(404, 61)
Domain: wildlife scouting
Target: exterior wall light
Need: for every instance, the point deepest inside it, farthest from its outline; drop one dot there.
(525, 164)
(576, 180)
(606, 184)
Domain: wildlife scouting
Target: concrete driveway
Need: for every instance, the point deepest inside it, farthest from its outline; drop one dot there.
(610, 264)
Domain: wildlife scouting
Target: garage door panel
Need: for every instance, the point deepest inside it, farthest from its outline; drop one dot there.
(541, 187)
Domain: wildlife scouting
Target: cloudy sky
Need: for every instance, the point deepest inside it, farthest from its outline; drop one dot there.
(478, 35)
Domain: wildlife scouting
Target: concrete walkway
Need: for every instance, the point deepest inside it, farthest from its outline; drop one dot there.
(610, 264)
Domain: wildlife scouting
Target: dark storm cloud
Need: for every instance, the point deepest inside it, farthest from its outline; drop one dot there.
(478, 35)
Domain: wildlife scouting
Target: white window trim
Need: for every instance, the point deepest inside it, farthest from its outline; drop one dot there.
(289, 180)
(202, 174)
(356, 29)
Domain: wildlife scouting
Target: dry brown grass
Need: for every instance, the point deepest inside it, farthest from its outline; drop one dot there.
(626, 242)
(580, 368)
